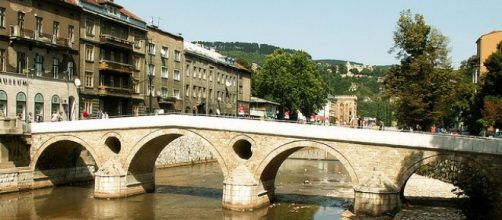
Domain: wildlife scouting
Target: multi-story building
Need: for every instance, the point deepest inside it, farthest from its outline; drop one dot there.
(486, 44)
(39, 58)
(112, 59)
(164, 66)
(214, 84)
(343, 108)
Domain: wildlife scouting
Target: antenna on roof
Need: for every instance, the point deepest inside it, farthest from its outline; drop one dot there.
(151, 20)
(158, 21)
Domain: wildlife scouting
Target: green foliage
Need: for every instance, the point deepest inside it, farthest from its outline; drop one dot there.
(292, 80)
(423, 85)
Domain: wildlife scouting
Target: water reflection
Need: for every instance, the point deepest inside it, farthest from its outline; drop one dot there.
(193, 192)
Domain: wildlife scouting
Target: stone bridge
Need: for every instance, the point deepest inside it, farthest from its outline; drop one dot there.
(249, 153)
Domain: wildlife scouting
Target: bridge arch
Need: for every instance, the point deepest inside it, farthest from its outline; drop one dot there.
(164, 137)
(268, 168)
(75, 139)
(415, 165)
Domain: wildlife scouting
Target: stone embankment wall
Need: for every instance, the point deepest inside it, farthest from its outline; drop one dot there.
(184, 151)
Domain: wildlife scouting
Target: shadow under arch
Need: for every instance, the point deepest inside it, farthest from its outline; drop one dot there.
(63, 160)
(68, 138)
(141, 158)
(268, 168)
(407, 172)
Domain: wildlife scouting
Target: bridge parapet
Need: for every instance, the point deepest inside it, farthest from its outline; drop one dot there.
(363, 136)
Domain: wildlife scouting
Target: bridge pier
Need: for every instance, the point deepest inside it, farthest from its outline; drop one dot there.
(242, 192)
(112, 181)
(377, 196)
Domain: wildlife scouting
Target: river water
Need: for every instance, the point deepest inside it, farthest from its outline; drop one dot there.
(306, 189)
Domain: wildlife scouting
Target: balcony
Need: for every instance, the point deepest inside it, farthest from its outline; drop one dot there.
(115, 66)
(116, 42)
(105, 90)
(38, 39)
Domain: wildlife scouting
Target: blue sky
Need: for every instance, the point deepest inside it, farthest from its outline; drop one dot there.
(353, 30)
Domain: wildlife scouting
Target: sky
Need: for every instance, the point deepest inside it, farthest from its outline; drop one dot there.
(354, 30)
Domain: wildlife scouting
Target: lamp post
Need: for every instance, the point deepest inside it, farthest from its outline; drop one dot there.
(150, 78)
(77, 84)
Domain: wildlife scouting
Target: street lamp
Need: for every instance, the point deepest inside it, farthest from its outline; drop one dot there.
(150, 78)
(77, 84)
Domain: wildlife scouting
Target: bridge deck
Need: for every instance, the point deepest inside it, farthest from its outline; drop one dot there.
(364, 136)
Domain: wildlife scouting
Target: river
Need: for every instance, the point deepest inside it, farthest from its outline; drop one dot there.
(306, 189)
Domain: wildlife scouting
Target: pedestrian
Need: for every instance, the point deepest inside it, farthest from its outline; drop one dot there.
(100, 114)
(85, 114)
(30, 117)
(60, 116)
(433, 129)
(55, 116)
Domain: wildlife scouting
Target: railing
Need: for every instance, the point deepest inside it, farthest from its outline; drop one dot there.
(115, 66)
(106, 90)
(105, 38)
(17, 32)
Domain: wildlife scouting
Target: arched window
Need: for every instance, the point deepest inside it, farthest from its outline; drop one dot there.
(3, 103)
(21, 105)
(55, 104)
(39, 107)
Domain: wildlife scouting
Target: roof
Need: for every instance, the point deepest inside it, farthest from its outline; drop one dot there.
(97, 6)
(157, 29)
(259, 100)
(490, 33)
(209, 54)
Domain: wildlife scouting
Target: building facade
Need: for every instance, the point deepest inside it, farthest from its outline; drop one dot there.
(39, 58)
(486, 45)
(343, 108)
(213, 83)
(164, 65)
(112, 59)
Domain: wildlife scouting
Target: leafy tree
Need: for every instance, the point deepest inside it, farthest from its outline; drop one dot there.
(421, 86)
(292, 80)
(490, 97)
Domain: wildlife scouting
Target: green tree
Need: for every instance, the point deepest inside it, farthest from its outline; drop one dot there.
(490, 97)
(292, 80)
(420, 86)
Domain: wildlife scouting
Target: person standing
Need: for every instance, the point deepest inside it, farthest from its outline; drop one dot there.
(433, 129)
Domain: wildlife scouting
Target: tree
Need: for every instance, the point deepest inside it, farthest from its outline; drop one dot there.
(292, 80)
(491, 92)
(422, 85)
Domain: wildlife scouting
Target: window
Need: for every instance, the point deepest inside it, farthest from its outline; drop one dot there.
(194, 72)
(55, 68)
(89, 27)
(187, 90)
(164, 72)
(200, 73)
(69, 70)
(39, 63)
(163, 92)
(89, 53)
(164, 52)
(210, 95)
(151, 90)
(204, 74)
(210, 75)
(21, 62)
(177, 55)
(2, 17)
(151, 48)
(39, 107)
(137, 40)
(218, 79)
(3, 103)
(38, 26)
(194, 91)
(187, 70)
(176, 75)
(176, 93)
(88, 79)
(21, 104)
(151, 69)
(55, 104)
(55, 31)
(70, 34)
(20, 20)
(3, 60)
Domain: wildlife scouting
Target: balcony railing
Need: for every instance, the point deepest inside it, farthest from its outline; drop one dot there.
(115, 41)
(111, 90)
(115, 66)
(41, 39)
